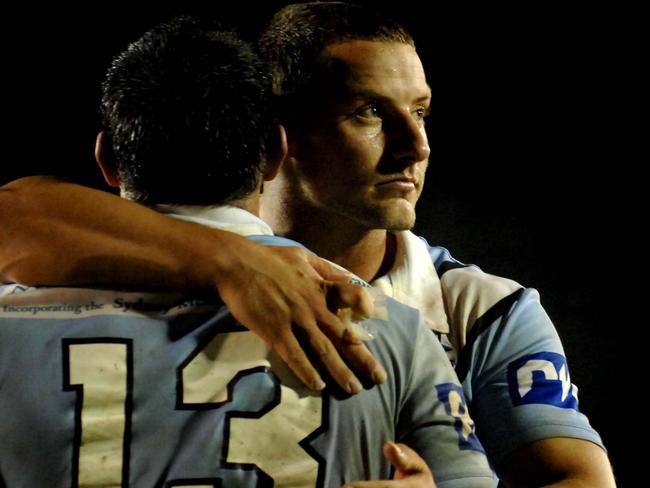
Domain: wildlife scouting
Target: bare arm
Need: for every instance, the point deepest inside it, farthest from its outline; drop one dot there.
(55, 233)
(558, 462)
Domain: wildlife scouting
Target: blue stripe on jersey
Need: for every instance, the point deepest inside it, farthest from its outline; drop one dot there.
(275, 241)
(448, 266)
(480, 326)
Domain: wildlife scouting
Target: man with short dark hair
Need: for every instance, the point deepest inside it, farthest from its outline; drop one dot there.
(352, 95)
(142, 388)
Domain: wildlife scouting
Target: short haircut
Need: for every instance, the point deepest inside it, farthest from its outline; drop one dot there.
(186, 108)
(294, 41)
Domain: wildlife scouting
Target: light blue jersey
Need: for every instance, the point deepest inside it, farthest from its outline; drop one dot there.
(508, 357)
(506, 350)
(112, 388)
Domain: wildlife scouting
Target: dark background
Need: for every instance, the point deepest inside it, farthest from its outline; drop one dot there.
(529, 172)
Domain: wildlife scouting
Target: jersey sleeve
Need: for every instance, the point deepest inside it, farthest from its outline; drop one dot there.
(510, 361)
(521, 382)
(434, 407)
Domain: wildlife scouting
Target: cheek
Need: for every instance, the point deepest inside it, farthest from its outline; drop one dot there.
(362, 151)
(366, 140)
(423, 172)
(423, 169)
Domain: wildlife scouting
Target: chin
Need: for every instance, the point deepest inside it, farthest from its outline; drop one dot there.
(400, 226)
(400, 216)
(402, 221)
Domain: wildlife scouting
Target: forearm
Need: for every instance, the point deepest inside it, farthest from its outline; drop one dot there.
(558, 462)
(56, 232)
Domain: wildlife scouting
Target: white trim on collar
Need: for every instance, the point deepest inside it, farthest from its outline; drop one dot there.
(413, 280)
(226, 217)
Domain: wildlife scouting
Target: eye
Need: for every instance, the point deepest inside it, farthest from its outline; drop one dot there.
(420, 113)
(370, 111)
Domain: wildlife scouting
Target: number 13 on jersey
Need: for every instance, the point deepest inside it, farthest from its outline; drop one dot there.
(267, 435)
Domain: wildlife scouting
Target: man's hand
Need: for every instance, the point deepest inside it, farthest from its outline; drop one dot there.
(91, 237)
(282, 294)
(410, 470)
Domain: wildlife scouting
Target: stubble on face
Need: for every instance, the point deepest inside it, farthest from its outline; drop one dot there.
(359, 160)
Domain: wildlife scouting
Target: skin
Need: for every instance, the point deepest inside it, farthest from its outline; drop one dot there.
(120, 242)
(325, 340)
(359, 167)
(410, 470)
(330, 195)
(356, 173)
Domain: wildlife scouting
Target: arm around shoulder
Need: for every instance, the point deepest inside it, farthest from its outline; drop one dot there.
(60, 233)
(56, 232)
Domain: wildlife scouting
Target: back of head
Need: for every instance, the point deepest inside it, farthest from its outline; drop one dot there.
(186, 108)
(294, 41)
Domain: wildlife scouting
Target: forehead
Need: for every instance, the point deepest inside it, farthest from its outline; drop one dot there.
(382, 66)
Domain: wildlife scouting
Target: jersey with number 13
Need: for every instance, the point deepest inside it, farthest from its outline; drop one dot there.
(107, 388)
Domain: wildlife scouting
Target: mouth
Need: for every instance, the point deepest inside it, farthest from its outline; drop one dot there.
(402, 183)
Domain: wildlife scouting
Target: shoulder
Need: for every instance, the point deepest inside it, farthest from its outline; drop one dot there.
(472, 295)
(469, 280)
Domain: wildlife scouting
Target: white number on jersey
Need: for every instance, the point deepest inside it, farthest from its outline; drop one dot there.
(101, 373)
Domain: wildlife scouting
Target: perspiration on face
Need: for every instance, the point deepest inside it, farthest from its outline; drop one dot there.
(361, 153)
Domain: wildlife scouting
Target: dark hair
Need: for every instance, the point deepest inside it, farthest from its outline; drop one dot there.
(294, 41)
(186, 108)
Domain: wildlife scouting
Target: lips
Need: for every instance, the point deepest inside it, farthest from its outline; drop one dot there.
(405, 182)
(400, 185)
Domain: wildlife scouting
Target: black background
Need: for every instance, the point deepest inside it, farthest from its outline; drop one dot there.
(529, 172)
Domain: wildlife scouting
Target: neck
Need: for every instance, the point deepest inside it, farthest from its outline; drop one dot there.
(251, 203)
(368, 253)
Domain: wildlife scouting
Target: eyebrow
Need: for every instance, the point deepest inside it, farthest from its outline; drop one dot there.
(369, 94)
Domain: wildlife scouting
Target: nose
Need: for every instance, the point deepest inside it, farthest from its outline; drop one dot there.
(407, 139)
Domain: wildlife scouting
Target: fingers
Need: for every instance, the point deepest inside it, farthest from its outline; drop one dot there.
(328, 270)
(408, 464)
(325, 354)
(347, 341)
(338, 351)
(359, 357)
(304, 345)
(350, 296)
(321, 340)
(283, 300)
(405, 459)
(289, 351)
(411, 471)
(339, 348)
(349, 346)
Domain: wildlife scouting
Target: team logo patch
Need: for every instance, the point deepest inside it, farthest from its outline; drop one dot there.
(542, 378)
(452, 396)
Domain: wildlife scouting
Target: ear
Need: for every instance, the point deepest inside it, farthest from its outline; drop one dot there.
(278, 154)
(106, 160)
